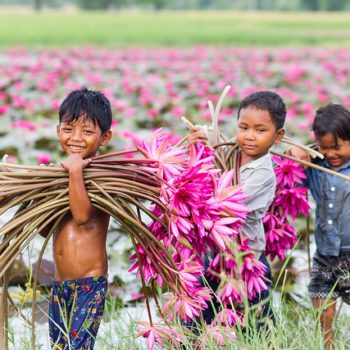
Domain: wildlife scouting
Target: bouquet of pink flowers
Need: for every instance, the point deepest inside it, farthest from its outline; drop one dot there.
(204, 217)
(290, 200)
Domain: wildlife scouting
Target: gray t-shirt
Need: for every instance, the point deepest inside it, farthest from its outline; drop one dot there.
(259, 182)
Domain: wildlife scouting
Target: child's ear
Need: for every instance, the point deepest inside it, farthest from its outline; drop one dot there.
(106, 137)
(280, 134)
(58, 130)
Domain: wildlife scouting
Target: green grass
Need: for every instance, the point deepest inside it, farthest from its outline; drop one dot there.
(297, 328)
(124, 29)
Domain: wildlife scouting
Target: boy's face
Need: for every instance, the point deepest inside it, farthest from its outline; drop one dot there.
(256, 133)
(335, 150)
(81, 137)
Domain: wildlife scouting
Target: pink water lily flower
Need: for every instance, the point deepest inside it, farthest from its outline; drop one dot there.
(170, 159)
(231, 291)
(179, 226)
(188, 190)
(293, 201)
(228, 196)
(223, 229)
(186, 307)
(149, 271)
(159, 334)
(24, 124)
(229, 317)
(44, 158)
(253, 274)
(280, 236)
(189, 276)
(222, 336)
(202, 153)
(4, 108)
(288, 173)
(226, 260)
(290, 200)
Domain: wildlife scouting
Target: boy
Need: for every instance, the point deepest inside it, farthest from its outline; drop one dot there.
(78, 292)
(331, 263)
(260, 121)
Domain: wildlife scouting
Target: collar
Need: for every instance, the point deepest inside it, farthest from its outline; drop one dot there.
(257, 162)
(327, 165)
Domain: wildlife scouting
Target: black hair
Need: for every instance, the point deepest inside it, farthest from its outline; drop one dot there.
(86, 103)
(266, 101)
(332, 119)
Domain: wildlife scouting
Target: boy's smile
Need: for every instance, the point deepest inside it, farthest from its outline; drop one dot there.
(256, 133)
(81, 137)
(335, 150)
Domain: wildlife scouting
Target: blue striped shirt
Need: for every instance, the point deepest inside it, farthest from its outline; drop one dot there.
(332, 197)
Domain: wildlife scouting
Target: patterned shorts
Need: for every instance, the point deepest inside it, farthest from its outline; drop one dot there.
(330, 277)
(75, 312)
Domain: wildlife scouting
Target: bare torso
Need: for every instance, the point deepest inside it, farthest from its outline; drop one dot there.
(80, 250)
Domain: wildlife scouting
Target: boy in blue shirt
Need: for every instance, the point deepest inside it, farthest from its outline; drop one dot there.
(330, 277)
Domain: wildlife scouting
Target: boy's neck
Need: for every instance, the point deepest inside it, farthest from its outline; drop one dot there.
(245, 158)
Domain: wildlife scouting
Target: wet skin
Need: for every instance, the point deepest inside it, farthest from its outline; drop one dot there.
(256, 133)
(80, 239)
(80, 250)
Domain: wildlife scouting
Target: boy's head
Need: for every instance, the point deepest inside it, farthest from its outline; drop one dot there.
(85, 119)
(261, 117)
(332, 130)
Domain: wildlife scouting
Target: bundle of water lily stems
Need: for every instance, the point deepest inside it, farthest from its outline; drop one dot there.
(117, 186)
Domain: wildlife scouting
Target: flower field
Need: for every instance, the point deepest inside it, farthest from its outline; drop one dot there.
(153, 88)
(149, 88)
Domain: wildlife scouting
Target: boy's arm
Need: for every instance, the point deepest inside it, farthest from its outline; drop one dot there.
(79, 201)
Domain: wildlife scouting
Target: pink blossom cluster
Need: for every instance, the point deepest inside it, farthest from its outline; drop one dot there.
(204, 215)
(290, 200)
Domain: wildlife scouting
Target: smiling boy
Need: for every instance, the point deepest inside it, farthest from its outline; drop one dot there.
(79, 243)
(331, 262)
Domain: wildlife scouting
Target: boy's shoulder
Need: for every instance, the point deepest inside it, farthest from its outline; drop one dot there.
(323, 163)
(263, 164)
(259, 171)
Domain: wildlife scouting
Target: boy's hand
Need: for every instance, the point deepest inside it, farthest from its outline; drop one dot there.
(75, 163)
(298, 153)
(197, 135)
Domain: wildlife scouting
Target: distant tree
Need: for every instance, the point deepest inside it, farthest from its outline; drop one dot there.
(205, 3)
(160, 4)
(101, 4)
(325, 5)
(38, 5)
(336, 5)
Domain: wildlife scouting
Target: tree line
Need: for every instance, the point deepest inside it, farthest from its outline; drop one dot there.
(254, 5)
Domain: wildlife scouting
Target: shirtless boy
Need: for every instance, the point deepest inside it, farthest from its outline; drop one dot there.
(79, 243)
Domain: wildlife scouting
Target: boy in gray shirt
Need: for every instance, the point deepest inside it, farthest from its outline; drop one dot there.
(260, 122)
